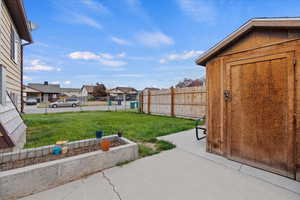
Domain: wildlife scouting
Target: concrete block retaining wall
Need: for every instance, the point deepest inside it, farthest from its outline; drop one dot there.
(25, 157)
(28, 180)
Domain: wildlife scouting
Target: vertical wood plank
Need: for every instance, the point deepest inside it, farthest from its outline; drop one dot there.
(260, 118)
(172, 101)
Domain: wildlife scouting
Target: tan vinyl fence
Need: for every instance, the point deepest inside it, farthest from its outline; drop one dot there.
(177, 102)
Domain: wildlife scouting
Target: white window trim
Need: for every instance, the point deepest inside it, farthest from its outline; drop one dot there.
(15, 46)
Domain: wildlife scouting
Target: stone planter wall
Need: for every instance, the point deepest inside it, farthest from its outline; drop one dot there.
(26, 157)
(28, 180)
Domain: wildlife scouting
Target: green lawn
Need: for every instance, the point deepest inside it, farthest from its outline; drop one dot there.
(47, 129)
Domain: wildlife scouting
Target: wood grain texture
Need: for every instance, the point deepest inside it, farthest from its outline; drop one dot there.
(214, 106)
(274, 79)
(262, 104)
(177, 102)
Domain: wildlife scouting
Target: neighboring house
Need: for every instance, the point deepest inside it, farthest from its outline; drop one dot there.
(151, 89)
(49, 92)
(70, 92)
(119, 92)
(31, 93)
(14, 29)
(87, 90)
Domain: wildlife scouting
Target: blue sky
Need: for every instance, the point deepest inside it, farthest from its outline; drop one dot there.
(138, 43)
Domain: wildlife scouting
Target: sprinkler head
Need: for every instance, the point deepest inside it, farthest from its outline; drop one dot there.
(120, 134)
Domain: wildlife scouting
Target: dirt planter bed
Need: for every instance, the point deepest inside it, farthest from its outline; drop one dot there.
(31, 179)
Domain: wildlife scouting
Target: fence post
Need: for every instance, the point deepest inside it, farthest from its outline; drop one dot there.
(141, 96)
(124, 101)
(107, 101)
(149, 102)
(172, 101)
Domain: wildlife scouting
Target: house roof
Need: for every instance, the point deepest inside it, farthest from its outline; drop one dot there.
(126, 89)
(66, 90)
(286, 22)
(18, 15)
(151, 88)
(89, 88)
(46, 88)
(31, 90)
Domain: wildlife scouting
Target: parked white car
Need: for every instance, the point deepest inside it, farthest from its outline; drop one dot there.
(72, 102)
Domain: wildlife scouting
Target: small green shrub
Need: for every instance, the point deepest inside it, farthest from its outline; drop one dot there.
(151, 140)
(120, 164)
(146, 151)
(162, 145)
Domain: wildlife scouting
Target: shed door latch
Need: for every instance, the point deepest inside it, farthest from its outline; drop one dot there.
(227, 95)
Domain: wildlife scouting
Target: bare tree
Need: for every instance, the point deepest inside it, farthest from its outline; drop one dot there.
(99, 90)
(190, 83)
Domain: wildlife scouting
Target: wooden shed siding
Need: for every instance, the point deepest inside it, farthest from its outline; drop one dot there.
(261, 37)
(277, 48)
(214, 106)
(13, 69)
(254, 44)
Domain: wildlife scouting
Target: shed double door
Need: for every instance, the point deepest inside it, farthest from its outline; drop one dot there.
(260, 112)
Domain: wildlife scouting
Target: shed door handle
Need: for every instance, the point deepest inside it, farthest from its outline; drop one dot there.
(227, 95)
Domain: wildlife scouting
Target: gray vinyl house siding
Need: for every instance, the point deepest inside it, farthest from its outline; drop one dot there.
(13, 68)
(13, 26)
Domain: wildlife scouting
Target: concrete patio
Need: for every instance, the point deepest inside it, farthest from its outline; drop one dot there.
(187, 172)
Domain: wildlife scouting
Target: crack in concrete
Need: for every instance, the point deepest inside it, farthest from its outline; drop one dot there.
(112, 185)
(73, 190)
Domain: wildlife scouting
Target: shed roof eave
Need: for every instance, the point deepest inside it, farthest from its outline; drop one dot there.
(247, 27)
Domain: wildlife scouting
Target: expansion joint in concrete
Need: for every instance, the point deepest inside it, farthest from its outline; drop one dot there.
(112, 185)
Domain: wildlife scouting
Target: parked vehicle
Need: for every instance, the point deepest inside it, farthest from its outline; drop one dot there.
(31, 102)
(72, 102)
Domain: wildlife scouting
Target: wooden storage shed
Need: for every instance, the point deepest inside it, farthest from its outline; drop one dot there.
(253, 84)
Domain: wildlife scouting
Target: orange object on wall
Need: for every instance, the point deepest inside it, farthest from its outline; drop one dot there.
(105, 144)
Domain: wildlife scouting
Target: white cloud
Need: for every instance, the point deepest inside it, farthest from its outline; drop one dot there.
(106, 56)
(120, 41)
(27, 78)
(103, 58)
(112, 63)
(199, 10)
(94, 5)
(162, 61)
(67, 82)
(154, 39)
(183, 56)
(83, 55)
(55, 82)
(121, 55)
(37, 65)
(84, 20)
(129, 75)
(180, 67)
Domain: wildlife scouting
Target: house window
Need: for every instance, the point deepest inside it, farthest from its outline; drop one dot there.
(15, 45)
